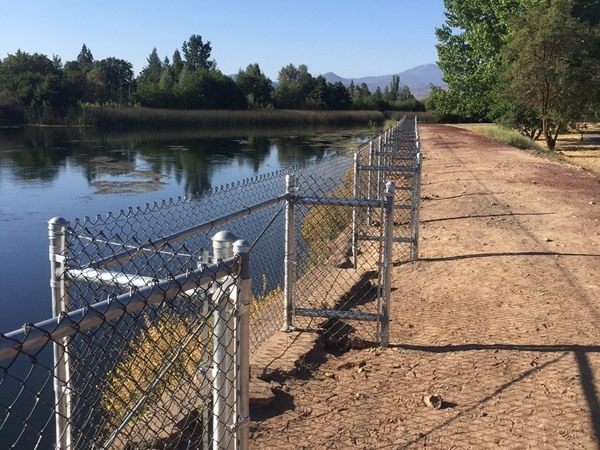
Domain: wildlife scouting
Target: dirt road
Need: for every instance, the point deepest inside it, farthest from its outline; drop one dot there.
(499, 317)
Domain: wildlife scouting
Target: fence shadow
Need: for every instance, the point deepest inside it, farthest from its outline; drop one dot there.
(496, 255)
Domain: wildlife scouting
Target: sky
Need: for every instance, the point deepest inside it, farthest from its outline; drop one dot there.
(352, 38)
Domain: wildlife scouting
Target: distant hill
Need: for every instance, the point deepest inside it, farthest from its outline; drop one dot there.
(417, 79)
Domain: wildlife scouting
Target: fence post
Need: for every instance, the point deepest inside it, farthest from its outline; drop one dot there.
(416, 205)
(242, 330)
(223, 351)
(355, 211)
(388, 245)
(57, 230)
(289, 280)
(369, 180)
(380, 146)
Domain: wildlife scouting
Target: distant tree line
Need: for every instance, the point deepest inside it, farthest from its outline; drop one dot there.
(36, 88)
(533, 65)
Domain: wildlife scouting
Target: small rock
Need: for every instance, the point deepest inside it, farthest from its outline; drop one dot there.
(358, 343)
(592, 203)
(276, 385)
(548, 240)
(433, 401)
(306, 411)
(534, 182)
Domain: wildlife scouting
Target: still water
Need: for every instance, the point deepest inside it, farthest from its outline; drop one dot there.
(46, 172)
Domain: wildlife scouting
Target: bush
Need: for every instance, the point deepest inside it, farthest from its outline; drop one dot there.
(11, 110)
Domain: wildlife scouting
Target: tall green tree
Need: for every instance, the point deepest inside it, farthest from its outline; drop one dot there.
(197, 53)
(34, 81)
(153, 70)
(469, 52)
(256, 86)
(85, 58)
(208, 89)
(393, 93)
(176, 65)
(294, 86)
(551, 71)
(111, 80)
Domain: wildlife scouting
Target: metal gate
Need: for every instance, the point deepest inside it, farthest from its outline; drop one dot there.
(341, 243)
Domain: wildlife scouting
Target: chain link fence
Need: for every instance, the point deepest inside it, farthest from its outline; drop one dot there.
(155, 318)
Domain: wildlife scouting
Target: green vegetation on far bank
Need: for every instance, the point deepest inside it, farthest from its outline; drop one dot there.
(35, 89)
(103, 117)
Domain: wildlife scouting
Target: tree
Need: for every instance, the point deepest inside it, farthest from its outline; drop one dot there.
(394, 89)
(256, 86)
(550, 71)
(34, 81)
(294, 86)
(208, 89)
(85, 58)
(111, 80)
(177, 65)
(152, 72)
(469, 51)
(197, 53)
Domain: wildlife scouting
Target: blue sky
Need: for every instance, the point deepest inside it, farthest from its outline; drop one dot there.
(349, 37)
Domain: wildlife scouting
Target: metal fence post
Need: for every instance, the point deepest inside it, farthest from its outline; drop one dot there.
(57, 230)
(242, 331)
(355, 212)
(378, 193)
(416, 205)
(289, 279)
(388, 245)
(223, 351)
(369, 180)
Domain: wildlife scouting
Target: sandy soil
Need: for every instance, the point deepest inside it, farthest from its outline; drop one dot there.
(499, 318)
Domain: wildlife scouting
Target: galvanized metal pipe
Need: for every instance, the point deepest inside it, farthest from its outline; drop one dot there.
(206, 226)
(30, 338)
(223, 351)
(355, 213)
(242, 301)
(57, 230)
(388, 256)
(289, 276)
(416, 206)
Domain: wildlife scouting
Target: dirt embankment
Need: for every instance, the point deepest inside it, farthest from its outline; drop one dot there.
(499, 317)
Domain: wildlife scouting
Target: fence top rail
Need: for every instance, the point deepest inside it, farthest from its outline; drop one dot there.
(337, 201)
(151, 246)
(34, 336)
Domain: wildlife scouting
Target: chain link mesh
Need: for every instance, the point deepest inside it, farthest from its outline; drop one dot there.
(143, 348)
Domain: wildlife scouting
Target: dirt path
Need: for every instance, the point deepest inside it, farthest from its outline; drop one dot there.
(499, 317)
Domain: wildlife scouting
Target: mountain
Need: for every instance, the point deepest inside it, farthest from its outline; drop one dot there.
(417, 79)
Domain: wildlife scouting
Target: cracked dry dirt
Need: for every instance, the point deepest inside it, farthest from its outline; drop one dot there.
(499, 317)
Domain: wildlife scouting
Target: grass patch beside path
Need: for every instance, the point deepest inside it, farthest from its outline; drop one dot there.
(504, 136)
(570, 148)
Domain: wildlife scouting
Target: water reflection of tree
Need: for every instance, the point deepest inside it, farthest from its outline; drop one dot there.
(190, 157)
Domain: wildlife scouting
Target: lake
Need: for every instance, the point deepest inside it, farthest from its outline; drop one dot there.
(47, 172)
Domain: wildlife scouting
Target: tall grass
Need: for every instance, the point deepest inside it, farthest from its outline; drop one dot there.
(149, 117)
(508, 137)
